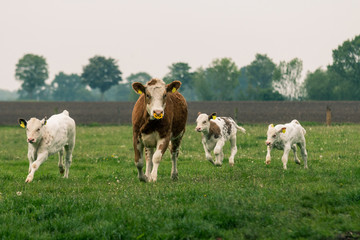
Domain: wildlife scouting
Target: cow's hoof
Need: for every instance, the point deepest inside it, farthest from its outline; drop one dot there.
(143, 179)
(231, 164)
(29, 179)
(174, 176)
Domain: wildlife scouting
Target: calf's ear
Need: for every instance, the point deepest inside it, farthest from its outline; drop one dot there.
(138, 87)
(271, 126)
(199, 113)
(22, 122)
(44, 121)
(212, 116)
(283, 130)
(173, 87)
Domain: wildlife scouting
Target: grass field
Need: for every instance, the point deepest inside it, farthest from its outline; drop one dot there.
(103, 199)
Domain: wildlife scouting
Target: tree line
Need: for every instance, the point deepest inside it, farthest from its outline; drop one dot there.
(101, 79)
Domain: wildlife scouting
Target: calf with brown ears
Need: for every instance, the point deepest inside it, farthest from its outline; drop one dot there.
(158, 119)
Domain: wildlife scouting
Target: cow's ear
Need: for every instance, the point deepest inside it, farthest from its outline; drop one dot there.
(138, 87)
(44, 121)
(22, 122)
(199, 113)
(271, 126)
(212, 116)
(173, 87)
(283, 130)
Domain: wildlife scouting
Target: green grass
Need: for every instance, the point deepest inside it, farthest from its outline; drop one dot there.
(103, 199)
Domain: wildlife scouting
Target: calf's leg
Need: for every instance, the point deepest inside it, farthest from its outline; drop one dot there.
(61, 161)
(297, 160)
(218, 152)
(149, 152)
(139, 161)
(35, 165)
(285, 156)
(233, 150)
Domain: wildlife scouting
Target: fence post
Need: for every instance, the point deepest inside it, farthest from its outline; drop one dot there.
(328, 116)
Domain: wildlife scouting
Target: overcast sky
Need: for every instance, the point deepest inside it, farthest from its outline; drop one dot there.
(150, 35)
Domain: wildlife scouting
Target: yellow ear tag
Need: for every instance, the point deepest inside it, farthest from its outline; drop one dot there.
(284, 130)
(22, 125)
(272, 125)
(173, 90)
(213, 117)
(139, 92)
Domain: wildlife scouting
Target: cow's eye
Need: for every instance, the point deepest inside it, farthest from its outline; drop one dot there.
(274, 136)
(204, 122)
(164, 95)
(148, 96)
(38, 130)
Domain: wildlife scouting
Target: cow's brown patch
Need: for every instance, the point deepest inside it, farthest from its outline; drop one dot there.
(214, 130)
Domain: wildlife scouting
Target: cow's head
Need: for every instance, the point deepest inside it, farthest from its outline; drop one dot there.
(273, 134)
(34, 129)
(156, 92)
(203, 122)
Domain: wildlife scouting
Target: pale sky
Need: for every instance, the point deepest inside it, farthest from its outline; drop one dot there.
(150, 35)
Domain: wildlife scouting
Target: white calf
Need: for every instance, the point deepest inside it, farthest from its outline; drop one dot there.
(46, 137)
(286, 137)
(215, 132)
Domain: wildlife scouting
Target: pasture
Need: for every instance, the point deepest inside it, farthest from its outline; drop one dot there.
(103, 198)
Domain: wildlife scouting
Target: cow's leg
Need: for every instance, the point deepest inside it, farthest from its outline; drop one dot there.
(139, 161)
(161, 147)
(233, 150)
(268, 156)
(175, 148)
(149, 152)
(31, 158)
(68, 159)
(304, 153)
(218, 152)
(207, 151)
(285, 156)
(35, 165)
(297, 160)
(61, 161)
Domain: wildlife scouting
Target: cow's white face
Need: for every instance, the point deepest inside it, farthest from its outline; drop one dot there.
(273, 134)
(203, 122)
(34, 129)
(156, 92)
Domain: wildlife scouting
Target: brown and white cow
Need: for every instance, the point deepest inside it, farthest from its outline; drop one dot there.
(159, 116)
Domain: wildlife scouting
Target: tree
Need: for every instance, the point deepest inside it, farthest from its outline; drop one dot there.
(346, 69)
(318, 85)
(218, 81)
(287, 79)
(181, 71)
(69, 87)
(33, 71)
(141, 77)
(101, 73)
(259, 74)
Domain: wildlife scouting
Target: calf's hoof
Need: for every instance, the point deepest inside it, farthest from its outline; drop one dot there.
(29, 179)
(143, 178)
(267, 162)
(297, 162)
(61, 170)
(174, 176)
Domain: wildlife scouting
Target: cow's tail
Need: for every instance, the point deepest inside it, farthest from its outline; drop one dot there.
(65, 112)
(240, 128)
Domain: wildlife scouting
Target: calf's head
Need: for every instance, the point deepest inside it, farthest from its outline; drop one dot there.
(156, 92)
(203, 122)
(273, 134)
(34, 129)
